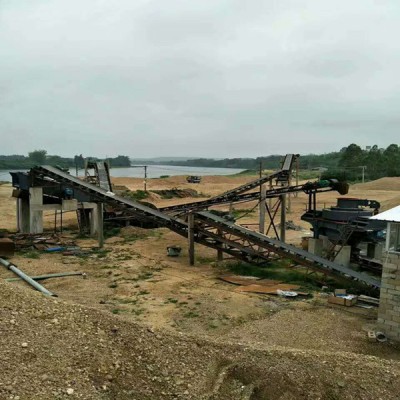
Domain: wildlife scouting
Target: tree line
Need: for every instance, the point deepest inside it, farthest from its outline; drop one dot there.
(40, 157)
(350, 163)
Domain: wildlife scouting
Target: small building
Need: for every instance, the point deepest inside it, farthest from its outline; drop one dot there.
(392, 217)
(389, 304)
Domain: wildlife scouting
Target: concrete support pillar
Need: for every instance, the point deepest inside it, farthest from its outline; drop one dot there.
(100, 227)
(94, 221)
(343, 257)
(389, 304)
(36, 209)
(315, 246)
(374, 250)
(24, 216)
(326, 243)
(19, 228)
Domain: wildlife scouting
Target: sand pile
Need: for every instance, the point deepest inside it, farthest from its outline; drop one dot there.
(54, 350)
(379, 184)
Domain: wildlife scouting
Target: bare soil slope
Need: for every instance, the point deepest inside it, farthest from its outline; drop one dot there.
(50, 349)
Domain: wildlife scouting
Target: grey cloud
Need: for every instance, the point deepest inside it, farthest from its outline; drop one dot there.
(222, 78)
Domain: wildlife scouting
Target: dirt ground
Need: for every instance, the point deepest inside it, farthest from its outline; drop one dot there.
(248, 341)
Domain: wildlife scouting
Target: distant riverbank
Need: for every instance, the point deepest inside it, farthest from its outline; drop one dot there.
(153, 171)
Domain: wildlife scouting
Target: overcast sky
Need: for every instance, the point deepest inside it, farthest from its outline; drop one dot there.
(211, 78)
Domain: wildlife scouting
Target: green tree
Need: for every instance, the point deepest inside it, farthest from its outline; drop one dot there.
(392, 160)
(352, 156)
(38, 156)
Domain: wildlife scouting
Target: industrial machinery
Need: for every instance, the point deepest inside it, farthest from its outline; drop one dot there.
(349, 223)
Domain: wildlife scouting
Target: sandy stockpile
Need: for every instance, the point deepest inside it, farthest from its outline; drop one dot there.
(210, 185)
(392, 183)
(50, 349)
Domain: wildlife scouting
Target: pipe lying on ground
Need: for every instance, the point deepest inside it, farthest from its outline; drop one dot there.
(26, 278)
(41, 277)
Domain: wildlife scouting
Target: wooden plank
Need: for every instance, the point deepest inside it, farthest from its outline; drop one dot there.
(266, 289)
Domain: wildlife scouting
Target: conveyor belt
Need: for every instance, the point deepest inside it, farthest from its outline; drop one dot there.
(263, 243)
(210, 230)
(316, 187)
(283, 172)
(235, 195)
(103, 175)
(98, 194)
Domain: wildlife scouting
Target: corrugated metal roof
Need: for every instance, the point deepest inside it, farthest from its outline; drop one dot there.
(392, 215)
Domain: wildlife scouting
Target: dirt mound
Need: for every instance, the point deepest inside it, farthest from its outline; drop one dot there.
(379, 184)
(390, 203)
(134, 231)
(51, 349)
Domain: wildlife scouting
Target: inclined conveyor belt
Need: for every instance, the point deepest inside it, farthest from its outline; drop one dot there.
(98, 194)
(282, 248)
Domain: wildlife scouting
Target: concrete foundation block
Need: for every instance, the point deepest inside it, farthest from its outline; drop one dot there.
(343, 257)
(326, 243)
(315, 246)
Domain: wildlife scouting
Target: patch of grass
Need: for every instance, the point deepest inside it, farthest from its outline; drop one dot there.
(135, 195)
(137, 311)
(126, 300)
(309, 174)
(113, 285)
(115, 310)
(238, 212)
(191, 314)
(100, 251)
(111, 230)
(31, 254)
(171, 300)
(143, 292)
(108, 266)
(145, 275)
(277, 271)
(205, 260)
(124, 257)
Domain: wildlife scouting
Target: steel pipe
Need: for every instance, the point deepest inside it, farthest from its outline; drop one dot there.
(48, 276)
(26, 278)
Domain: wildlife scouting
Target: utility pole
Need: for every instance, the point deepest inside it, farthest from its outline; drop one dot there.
(363, 167)
(145, 175)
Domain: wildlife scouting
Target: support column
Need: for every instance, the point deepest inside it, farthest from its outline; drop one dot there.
(24, 214)
(283, 218)
(94, 221)
(220, 253)
(36, 210)
(100, 231)
(262, 209)
(191, 237)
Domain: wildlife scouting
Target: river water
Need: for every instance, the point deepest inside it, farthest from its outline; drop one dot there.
(153, 171)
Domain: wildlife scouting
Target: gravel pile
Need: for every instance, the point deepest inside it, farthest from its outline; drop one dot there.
(54, 350)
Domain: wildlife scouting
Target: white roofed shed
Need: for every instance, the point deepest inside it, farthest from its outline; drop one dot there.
(392, 217)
